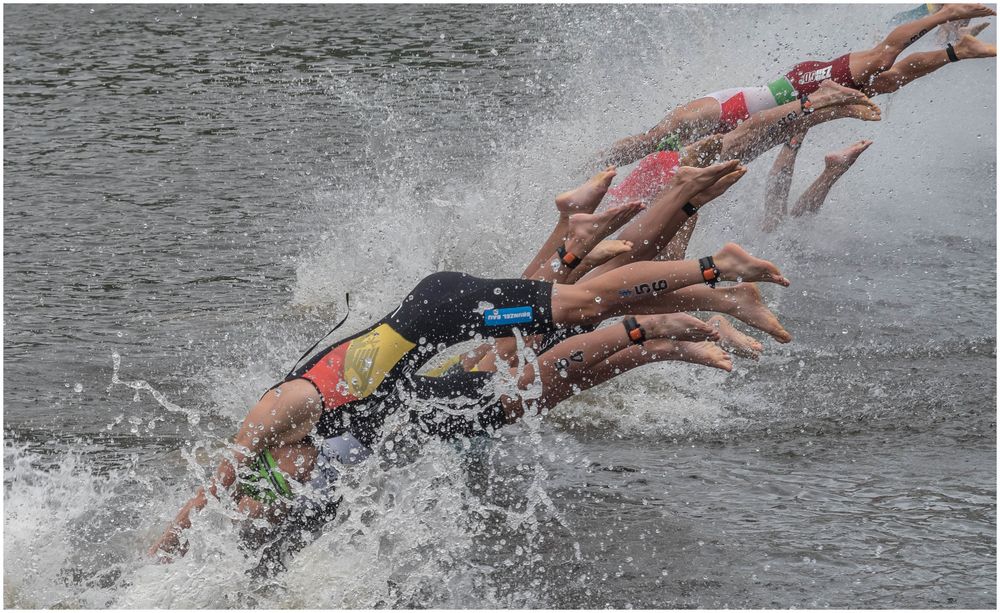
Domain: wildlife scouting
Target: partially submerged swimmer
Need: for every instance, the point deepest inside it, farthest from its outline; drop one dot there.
(351, 387)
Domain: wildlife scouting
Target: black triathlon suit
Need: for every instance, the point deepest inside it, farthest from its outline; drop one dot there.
(364, 378)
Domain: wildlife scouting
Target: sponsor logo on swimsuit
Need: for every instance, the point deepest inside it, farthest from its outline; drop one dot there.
(816, 75)
(508, 316)
(655, 286)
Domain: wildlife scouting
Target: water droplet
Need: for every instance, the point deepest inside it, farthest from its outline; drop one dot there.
(597, 298)
(496, 290)
(277, 391)
(78, 388)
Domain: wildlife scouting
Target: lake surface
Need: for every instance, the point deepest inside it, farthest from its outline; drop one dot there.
(189, 192)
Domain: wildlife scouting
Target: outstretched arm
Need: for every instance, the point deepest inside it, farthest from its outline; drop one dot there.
(278, 419)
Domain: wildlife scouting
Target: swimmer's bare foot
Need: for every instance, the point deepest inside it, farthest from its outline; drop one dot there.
(691, 180)
(678, 327)
(831, 93)
(969, 47)
(745, 303)
(860, 111)
(586, 230)
(605, 251)
(735, 264)
(703, 152)
(732, 339)
(718, 188)
(703, 353)
(954, 12)
(585, 198)
(840, 161)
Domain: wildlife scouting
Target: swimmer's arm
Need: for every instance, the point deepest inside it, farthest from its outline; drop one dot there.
(170, 541)
(274, 421)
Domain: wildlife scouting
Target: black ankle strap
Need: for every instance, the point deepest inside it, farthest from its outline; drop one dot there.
(568, 259)
(952, 56)
(709, 272)
(635, 332)
(690, 209)
(805, 104)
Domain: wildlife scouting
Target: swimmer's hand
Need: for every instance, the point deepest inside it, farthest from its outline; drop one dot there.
(168, 547)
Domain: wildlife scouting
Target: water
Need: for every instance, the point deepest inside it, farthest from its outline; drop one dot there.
(190, 191)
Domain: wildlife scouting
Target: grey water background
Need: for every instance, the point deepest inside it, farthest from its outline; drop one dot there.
(194, 188)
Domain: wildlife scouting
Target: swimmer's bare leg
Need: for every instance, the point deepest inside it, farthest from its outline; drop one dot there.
(681, 227)
(704, 353)
(767, 129)
(564, 369)
(920, 64)
(837, 163)
(582, 199)
(866, 65)
(604, 252)
(645, 287)
(584, 232)
(779, 182)
(742, 301)
(577, 378)
(677, 247)
(650, 232)
(671, 238)
(691, 121)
